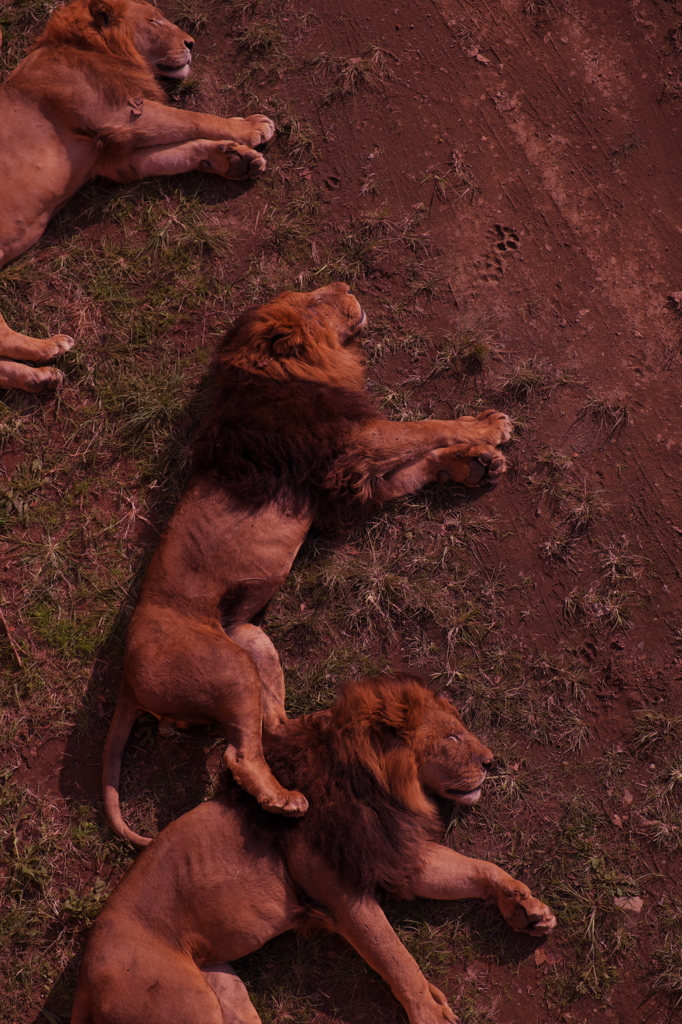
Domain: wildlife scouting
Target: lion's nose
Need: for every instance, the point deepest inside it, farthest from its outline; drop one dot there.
(189, 43)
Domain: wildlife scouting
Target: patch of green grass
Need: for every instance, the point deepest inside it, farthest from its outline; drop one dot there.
(471, 349)
(667, 969)
(599, 608)
(531, 378)
(611, 416)
(258, 38)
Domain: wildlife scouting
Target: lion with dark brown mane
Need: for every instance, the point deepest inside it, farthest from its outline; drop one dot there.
(225, 878)
(291, 437)
(86, 102)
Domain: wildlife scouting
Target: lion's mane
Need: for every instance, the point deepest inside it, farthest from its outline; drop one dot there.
(358, 767)
(275, 435)
(107, 56)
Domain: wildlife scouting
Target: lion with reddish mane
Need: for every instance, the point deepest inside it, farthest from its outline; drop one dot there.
(86, 102)
(226, 878)
(291, 438)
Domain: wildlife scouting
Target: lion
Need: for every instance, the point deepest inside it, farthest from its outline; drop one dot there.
(291, 437)
(222, 880)
(86, 102)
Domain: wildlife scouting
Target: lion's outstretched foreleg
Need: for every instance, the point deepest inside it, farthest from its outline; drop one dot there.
(15, 346)
(446, 875)
(229, 159)
(31, 350)
(471, 465)
(362, 923)
(388, 459)
(33, 379)
(160, 125)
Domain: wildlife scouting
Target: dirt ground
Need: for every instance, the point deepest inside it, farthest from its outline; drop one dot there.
(502, 183)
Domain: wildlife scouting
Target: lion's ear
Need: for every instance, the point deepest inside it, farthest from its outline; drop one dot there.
(287, 340)
(102, 12)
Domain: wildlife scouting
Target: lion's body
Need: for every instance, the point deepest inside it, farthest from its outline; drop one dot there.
(291, 436)
(86, 102)
(225, 878)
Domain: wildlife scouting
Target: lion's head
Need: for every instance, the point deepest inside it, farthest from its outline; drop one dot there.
(414, 742)
(135, 31)
(300, 335)
(370, 767)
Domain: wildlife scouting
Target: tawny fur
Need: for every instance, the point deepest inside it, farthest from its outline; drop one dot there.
(86, 102)
(222, 880)
(290, 437)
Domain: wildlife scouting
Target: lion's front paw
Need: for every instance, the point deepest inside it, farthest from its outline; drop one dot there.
(54, 347)
(258, 129)
(471, 465)
(499, 425)
(42, 378)
(434, 1011)
(530, 916)
(233, 161)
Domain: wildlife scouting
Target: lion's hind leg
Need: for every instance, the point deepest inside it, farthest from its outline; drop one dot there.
(236, 701)
(232, 995)
(131, 974)
(261, 648)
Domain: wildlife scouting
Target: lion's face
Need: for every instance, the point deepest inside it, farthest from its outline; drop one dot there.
(452, 762)
(301, 334)
(161, 43)
(333, 308)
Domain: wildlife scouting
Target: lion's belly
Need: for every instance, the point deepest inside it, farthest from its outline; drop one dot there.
(41, 167)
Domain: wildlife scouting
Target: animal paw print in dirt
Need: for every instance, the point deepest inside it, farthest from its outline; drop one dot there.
(507, 239)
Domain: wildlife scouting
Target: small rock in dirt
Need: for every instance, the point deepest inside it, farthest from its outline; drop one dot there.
(627, 798)
(631, 907)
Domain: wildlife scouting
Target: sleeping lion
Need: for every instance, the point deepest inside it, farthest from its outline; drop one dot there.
(86, 102)
(291, 437)
(221, 881)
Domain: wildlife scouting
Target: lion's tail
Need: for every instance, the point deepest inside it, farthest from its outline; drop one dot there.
(126, 714)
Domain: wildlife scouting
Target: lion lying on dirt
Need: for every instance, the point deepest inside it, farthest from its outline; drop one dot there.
(222, 880)
(291, 437)
(85, 102)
